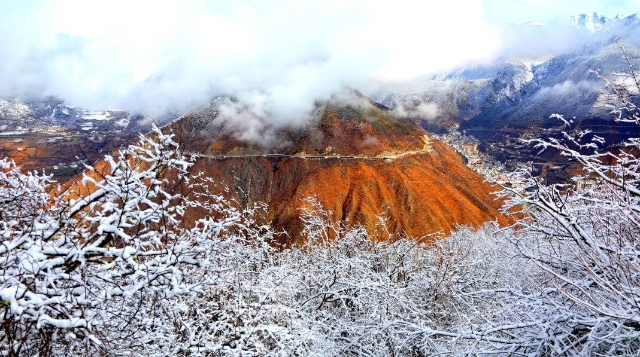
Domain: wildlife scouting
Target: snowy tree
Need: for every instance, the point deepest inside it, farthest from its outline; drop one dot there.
(591, 236)
(587, 245)
(115, 268)
(76, 267)
(580, 294)
(341, 293)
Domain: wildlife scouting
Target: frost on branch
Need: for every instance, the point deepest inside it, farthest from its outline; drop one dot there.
(71, 262)
(585, 241)
(577, 245)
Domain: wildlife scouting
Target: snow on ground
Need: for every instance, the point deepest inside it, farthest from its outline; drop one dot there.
(13, 110)
(122, 122)
(91, 115)
(9, 133)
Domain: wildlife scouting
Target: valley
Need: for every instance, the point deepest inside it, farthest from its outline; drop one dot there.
(49, 135)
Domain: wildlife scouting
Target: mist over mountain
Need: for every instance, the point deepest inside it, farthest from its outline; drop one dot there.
(497, 102)
(532, 74)
(515, 96)
(508, 94)
(276, 58)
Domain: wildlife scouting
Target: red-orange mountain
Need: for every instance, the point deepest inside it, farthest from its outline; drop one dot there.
(358, 161)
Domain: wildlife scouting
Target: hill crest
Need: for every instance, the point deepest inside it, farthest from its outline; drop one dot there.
(358, 162)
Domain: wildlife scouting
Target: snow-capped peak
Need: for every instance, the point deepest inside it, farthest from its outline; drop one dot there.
(593, 22)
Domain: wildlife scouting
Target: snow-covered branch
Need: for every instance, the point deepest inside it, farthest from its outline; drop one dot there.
(120, 234)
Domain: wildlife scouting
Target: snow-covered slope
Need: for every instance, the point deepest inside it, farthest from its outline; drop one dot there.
(522, 90)
(593, 22)
(37, 116)
(47, 134)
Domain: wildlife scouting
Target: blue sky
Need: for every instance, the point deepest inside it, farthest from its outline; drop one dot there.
(277, 55)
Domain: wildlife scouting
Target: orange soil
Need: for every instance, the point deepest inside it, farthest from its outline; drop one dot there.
(416, 194)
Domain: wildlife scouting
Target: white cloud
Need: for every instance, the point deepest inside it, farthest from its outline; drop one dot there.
(277, 56)
(155, 55)
(416, 109)
(568, 88)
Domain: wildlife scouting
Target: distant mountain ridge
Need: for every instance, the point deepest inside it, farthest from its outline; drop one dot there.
(515, 96)
(593, 22)
(47, 134)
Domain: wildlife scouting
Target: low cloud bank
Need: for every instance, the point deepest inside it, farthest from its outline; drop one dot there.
(277, 57)
(421, 110)
(568, 88)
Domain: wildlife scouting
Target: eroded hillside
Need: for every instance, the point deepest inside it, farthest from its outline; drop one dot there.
(358, 162)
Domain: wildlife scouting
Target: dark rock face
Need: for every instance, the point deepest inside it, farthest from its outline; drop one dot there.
(49, 135)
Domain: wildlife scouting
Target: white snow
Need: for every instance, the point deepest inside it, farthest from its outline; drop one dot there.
(9, 133)
(13, 109)
(91, 115)
(122, 122)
